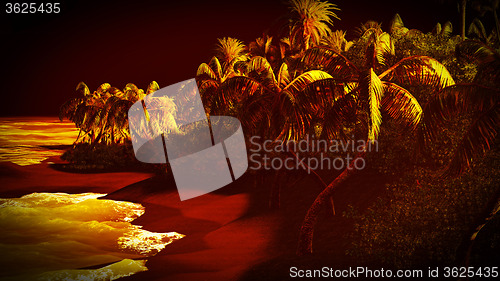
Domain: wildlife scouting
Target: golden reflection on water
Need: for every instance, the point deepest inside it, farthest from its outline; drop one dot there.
(113, 271)
(49, 236)
(28, 140)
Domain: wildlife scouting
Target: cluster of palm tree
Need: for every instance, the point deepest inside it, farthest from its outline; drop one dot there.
(313, 89)
(101, 116)
(303, 85)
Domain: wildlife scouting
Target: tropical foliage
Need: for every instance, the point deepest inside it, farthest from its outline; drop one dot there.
(439, 91)
(101, 116)
(480, 99)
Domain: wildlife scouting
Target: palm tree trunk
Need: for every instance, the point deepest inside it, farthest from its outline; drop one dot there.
(307, 229)
(317, 177)
(78, 137)
(463, 5)
(497, 24)
(466, 248)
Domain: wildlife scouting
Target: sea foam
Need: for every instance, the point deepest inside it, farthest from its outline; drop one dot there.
(51, 236)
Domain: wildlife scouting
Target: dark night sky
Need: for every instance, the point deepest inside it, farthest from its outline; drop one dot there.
(131, 41)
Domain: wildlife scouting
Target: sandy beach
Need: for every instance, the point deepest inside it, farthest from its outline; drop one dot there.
(231, 234)
(221, 242)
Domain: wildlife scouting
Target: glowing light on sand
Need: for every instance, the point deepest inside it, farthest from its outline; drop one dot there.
(50, 236)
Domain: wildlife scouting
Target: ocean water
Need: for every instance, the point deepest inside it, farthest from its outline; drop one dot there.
(47, 236)
(30, 140)
(60, 236)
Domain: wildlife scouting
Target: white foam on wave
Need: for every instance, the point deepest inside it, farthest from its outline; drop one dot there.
(60, 232)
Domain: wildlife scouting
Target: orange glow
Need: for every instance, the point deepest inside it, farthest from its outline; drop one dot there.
(58, 232)
(27, 141)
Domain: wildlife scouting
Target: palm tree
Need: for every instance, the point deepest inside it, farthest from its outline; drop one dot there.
(397, 26)
(230, 51)
(233, 55)
(101, 116)
(483, 6)
(477, 30)
(268, 105)
(463, 7)
(371, 32)
(263, 47)
(310, 22)
(478, 99)
(369, 94)
(337, 42)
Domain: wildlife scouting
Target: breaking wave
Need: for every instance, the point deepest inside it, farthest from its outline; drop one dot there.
(52, 236)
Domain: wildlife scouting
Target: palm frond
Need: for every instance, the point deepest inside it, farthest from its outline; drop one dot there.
(401, 106)
(298, 84)
(292, 118)
(375, 93)
(117, 115)
(259, 69)
(205, 72)
(476, 28)
(311, 20)
(384, 46)
(419, 70)
(323, 93)
(83, 89)
(68, 109)
(368, 29)
(456, 100)
(329, 61)
(437, 29)
(349, 87)
(261, 46)
(336, 41)
(341, 114)
(130, 92)
(447, 29)
(285, 46)
(295, 108)
(477, 52)
(91, 118)
(232, 91)
(283, 76)
(208, 92)
(255, 115)
(476, 141)
(229, 51)
(152, 87)
(397, 26)
(102, 90)
(216, 67)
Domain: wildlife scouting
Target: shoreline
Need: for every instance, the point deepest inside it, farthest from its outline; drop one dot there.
(216, 226)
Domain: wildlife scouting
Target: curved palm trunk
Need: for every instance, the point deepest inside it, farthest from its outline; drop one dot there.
(317, 177)
(468, 244)
(307, 229)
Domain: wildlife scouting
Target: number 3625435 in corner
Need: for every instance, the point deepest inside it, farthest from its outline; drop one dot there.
(32, 8)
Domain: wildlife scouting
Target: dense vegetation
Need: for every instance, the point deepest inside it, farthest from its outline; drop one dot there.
(414, 92)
